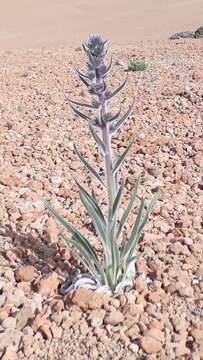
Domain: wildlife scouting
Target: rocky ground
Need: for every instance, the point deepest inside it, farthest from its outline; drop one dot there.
(161, 318)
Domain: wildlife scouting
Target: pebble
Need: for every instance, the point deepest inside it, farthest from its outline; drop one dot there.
(150, 345)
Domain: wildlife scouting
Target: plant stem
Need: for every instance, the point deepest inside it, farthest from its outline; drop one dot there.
(110, 181)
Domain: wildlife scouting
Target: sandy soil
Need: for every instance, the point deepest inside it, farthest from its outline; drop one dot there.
(36, 23)
(161, 318)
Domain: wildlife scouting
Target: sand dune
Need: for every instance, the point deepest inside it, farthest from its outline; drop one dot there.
(36, 23)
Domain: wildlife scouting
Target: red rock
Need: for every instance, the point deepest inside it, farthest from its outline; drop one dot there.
(52, 230)
(48, 284)
(85, 298)
(140, 285)
(115, 317)
(45, 330)
(10, 354)
(97, 317)
(155, 334)
(150, 345)
(197, 334)
(156, 296)
(9, 323)
(133, 309)
(186, 291)
(57, 331)
(133, 332)
(58, 305)
(181, 350)
(26, 273)
(39, 320)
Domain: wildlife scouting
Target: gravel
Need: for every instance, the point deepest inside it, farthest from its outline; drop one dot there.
(162, 315)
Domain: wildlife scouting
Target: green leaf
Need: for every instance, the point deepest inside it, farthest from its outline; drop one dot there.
(117, 199)
(83, 256)
(132, 241)
(90, 168)
(115, 260)
(150, 207)
(97, 220)
(122, 157)
(99, 142)
(123, 118)
(92, 200)
(126, 213)
(75, 233)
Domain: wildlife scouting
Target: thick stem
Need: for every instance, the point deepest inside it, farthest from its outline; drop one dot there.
(109, 168)
(110, 181)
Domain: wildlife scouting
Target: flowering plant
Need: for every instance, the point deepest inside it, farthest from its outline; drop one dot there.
(116, 271)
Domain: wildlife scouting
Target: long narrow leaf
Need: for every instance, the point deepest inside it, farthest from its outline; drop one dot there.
(97, 221)
(90, 168)
(82, 104)
(119, 88)
(108, 68)
(92, 200)
(132, 240)
(81, 74)
(149, 210)
(114, 117)
(99, 141)
(84, 257)
(79, 113)
(127, 211)
(75, 233)
(117, 199)
(122, 157)
(123, 118)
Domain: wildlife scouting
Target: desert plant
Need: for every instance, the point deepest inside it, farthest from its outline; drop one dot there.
(117, 269)
(139, 65)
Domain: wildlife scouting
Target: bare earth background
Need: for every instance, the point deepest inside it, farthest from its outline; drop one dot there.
(161, 317)
(29, 23)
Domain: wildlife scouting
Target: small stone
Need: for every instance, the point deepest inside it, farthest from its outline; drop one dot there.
(155, 334)
(56, 180)
(97, 317)
(10, 354)
(197, 334)
(25, 273)
(134, 348)
(84, 328)
(157, 296)
(56, 331)
(24, 314)
(133, 332)
(114, 318)
(150, 345)
(17, 298)
(186, 291)
(10, 337)
(181, 349)
(57, 317)
(2, 299)
(9, 323)
(140, 284)
(38, 322)
(133, 309)
(48, 284)
(85, 298)
(52, 230)
(46, 332)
